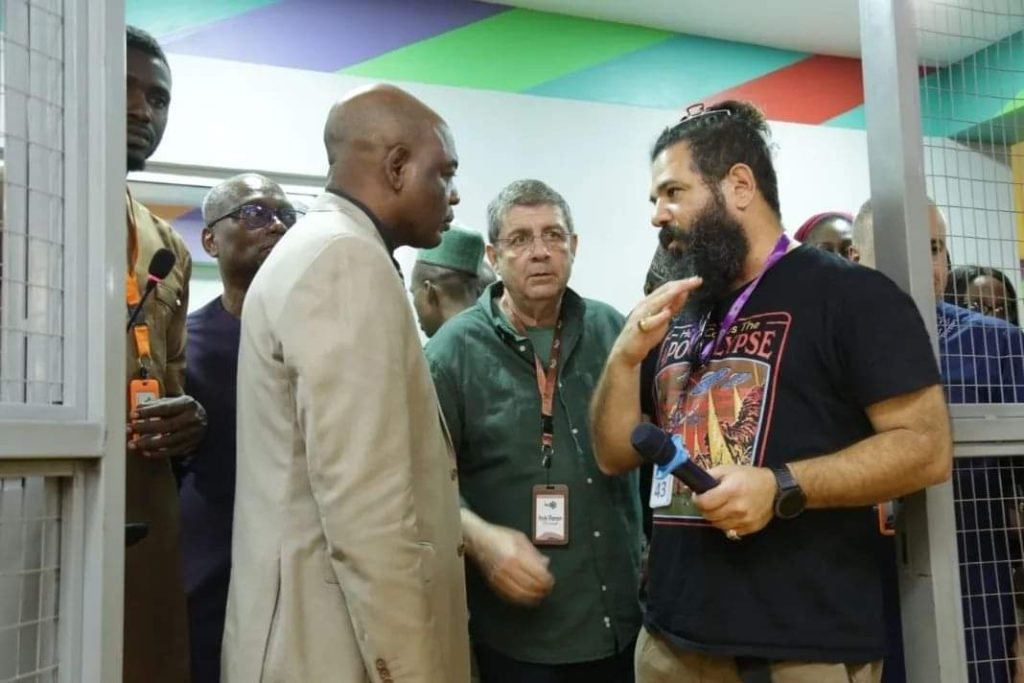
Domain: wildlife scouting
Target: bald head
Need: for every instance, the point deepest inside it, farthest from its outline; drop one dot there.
(864, 242)
(236, 191)
(245, 216)
(373, 119)
(394, 154)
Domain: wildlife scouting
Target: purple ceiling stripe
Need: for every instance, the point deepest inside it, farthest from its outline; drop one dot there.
(328, 35)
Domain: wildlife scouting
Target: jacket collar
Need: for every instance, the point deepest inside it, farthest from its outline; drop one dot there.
(366, 222)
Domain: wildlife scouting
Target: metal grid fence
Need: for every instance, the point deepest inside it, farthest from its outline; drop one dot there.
(32, 228)
(989, 514)
(30, 549)
(972, 94)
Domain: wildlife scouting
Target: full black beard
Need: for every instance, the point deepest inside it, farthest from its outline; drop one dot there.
(715, 248)
(666, 265)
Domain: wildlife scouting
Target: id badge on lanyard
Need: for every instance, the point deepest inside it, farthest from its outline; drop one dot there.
(549, 502)
(141, 389)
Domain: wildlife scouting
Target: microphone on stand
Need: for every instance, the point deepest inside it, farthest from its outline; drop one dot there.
(159, 268)
(670, 456)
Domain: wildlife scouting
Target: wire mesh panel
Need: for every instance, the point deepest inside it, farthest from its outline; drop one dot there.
(61, 340)
(32, 229)
(972, 77)
(971, 93)
(30, 554)
(989, 517)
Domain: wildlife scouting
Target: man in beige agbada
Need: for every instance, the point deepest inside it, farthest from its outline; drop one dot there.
(347, 551)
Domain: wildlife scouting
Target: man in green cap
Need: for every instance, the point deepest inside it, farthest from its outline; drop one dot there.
(447, 279)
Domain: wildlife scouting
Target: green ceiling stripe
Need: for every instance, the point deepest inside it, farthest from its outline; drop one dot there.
(984, 87)
(163, 19)
(672, 73)
(513, 51)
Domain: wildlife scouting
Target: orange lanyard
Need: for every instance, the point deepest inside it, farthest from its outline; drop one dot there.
(140, 330)
(546, 379)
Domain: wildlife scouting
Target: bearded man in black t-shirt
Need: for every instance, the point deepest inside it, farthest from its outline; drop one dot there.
(806, 385)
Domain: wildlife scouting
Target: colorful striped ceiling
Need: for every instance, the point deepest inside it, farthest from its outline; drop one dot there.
(481, 45)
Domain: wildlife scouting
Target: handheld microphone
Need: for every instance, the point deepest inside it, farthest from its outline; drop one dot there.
(159, 268)
(670, 456)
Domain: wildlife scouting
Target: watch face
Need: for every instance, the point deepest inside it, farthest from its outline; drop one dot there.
(790, 503)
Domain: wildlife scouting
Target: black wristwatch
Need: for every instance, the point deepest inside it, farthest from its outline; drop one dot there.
(790, 499)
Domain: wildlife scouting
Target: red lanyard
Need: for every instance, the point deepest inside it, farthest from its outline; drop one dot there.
(546, 378)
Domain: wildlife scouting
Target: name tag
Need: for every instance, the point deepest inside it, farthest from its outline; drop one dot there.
(661, 489)
(141, 391)
(551, 514)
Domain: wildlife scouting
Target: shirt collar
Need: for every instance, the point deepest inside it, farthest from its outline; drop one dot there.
(572, 309)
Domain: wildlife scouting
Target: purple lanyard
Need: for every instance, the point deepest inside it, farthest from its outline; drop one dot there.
(734, 311)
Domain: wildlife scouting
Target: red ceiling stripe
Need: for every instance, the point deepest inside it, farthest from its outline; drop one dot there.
(813, 90)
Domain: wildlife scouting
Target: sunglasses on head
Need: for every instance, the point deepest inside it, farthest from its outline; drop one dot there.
(254, 216)
(698, 112)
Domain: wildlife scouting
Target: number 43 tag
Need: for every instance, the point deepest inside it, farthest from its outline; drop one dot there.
(661, 489)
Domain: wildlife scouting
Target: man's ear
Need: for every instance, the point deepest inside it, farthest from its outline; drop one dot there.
(209, 241)
(396, 166)
(433, 295)
(492, 257)
(742, 186)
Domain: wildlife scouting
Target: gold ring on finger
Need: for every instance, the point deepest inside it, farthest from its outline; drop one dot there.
(642, 324)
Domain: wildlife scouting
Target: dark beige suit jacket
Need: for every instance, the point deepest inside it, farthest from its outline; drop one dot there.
(347, 552)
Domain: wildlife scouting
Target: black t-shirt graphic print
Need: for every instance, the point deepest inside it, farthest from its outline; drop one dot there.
(718, 411)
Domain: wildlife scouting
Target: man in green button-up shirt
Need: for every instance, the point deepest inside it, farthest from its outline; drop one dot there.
(562, 605)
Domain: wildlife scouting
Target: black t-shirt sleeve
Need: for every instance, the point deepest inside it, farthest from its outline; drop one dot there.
(883, 344)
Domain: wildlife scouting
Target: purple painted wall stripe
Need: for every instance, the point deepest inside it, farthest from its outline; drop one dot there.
(332, 34)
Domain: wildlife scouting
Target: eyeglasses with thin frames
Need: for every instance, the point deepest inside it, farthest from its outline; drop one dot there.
(554, 239)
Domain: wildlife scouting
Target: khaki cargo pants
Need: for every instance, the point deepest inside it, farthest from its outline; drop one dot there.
(656, 662)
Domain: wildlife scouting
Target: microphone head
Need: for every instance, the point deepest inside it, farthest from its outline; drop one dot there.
(653, 444)
(161, 263)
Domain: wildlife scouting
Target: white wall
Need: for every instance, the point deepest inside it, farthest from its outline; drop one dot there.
(975, 192)
(245, 116)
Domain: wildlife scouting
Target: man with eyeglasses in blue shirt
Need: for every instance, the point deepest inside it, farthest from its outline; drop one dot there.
(245, 216)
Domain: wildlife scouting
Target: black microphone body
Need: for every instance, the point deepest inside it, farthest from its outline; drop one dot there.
(159, 268)
(657, 446)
